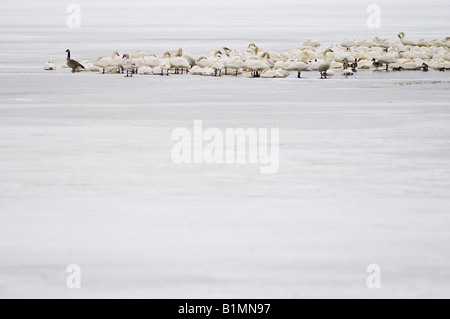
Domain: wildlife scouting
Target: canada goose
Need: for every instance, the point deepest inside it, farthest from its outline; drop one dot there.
(325, 64)
(74, 65)
(377, 64)
(354, 66)
(425, 67)
(50, 66)
(397, 69)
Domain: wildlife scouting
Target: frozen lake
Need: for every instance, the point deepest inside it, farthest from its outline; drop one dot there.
(86, 175)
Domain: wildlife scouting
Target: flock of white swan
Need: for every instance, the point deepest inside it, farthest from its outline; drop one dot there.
(348, 57)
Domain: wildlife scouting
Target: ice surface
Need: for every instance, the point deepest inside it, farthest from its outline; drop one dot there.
(86, 176)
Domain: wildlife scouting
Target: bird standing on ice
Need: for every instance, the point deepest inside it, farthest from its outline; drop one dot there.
(74, 65)
(325, 64)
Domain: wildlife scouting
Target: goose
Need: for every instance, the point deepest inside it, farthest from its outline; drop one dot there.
(425, 67)
(397, 69)
(387, 59)
(405, 41)
(128, 65)
(376, 64)
(50, 66)
(325, 64)
(354, 66)
(74, 65)
(296, 66)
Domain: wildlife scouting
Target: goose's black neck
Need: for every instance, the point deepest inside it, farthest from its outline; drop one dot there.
(68, 55)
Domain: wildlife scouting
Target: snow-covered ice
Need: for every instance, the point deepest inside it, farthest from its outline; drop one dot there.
(86, 176)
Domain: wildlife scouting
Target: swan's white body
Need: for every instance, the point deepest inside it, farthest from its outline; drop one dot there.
(274, 74)
(325, 64)
(405, 41)
(145, 70)
(296, 66)
(50, 66)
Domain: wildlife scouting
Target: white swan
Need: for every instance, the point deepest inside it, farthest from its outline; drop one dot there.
(274, 74)
(349, 43)
(325, 64)
(106, 62)
(50, 66)
(236, 64)
(128, 65)
(296, 66)
(387, 59)
(145, 70)
(138, 54)
(164, 63)
(405, 41)
(312, 43)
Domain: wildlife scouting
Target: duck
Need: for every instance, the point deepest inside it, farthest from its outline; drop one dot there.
(325, 64)
(405, 41)
(74, 65)
(50, 66)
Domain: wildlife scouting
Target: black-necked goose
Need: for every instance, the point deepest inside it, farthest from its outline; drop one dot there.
(74, 65)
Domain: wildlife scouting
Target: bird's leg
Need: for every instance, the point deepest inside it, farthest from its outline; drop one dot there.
(299, 75)
(387, 67)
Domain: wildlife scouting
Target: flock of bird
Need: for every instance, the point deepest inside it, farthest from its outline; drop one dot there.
(348, 57)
